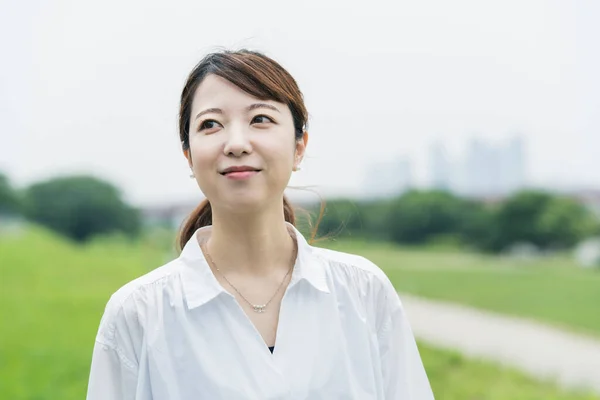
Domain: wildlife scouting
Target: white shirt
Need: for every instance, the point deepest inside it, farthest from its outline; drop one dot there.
(177, 334)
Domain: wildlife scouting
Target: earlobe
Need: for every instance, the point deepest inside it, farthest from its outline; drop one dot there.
(300, 150)
(301, 145)
(186, 154)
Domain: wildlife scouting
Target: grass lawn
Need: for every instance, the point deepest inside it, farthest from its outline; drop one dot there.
(552, 290)
(52, 294)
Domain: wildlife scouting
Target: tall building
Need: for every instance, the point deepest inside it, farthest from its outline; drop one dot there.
(513, 164)
(494, 170)
(485, 170)
(440, 167)
(480, 161)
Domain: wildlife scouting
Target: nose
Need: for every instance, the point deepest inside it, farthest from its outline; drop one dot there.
(237, 142)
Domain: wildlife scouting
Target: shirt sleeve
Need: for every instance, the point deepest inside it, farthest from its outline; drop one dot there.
(111, 377)
(404, 375)
(114, 368)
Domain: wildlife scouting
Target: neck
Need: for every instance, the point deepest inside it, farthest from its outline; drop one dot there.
(256, 243)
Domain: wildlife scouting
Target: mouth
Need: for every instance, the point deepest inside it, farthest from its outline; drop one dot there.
(238, 173)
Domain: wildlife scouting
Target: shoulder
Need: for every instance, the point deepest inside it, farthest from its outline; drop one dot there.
(125, 307)
(354, 264)
(364, 281)
(133, 288)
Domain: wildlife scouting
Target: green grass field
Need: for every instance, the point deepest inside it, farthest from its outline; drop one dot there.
(52, 294)
(553, 290)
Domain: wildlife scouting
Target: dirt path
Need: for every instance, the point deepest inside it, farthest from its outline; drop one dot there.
(546, 352)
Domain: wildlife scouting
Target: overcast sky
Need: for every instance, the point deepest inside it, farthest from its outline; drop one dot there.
(93, 87)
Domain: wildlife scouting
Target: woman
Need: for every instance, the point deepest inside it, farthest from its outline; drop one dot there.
(250, 310)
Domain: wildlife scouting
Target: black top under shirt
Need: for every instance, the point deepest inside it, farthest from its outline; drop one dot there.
(272, 348)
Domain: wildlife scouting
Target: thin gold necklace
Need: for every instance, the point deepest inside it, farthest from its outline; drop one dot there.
(259, 308)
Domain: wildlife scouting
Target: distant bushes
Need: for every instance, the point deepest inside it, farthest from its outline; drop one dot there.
(78, 207)
(543, 219)
(10, 202)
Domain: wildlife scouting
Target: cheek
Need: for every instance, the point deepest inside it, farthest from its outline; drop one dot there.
(280, 151)
(204, 167)
(281, 160)
(202, 154)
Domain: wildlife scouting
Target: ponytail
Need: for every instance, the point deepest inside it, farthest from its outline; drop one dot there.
(202, 216)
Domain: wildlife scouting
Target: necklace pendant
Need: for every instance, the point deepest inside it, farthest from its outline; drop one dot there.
(259, 308)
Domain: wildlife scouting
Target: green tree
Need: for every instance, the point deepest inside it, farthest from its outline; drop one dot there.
(375, 216)
(518, 218)
(541, 218)
(9, 198)
(564, 222)
(478, 227)
(341, 217)
(418, 216)
(81, 206)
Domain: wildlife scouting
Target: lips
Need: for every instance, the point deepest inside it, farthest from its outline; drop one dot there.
(243, 168)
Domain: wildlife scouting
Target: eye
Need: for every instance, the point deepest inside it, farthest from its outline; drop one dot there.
(262, 119)
(208, 124)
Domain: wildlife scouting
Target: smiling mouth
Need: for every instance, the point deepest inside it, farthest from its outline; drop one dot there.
(240, 172)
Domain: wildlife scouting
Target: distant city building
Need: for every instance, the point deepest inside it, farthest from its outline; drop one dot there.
(486, 170)
(440, 167)
(388, 178)
(513, 165)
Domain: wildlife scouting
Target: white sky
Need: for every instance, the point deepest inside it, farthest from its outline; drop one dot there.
(94, 86)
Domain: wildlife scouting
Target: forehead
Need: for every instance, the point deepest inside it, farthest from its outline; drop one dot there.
(217, 92)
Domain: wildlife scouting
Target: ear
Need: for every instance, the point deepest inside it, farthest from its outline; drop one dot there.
(301, 149)
(187, 155)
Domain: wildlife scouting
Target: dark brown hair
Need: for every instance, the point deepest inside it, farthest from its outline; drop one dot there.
(259, 76)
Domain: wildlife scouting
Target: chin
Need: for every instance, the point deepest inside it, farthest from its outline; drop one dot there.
(245, 202)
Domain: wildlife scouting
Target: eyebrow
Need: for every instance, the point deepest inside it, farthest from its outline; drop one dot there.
(249, 108)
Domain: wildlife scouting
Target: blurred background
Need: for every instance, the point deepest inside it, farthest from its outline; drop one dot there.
(455, 144)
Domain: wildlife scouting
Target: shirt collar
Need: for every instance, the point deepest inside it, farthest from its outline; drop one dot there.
(200, 285)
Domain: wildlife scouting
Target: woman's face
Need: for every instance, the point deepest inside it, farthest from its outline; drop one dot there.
(231, 129)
